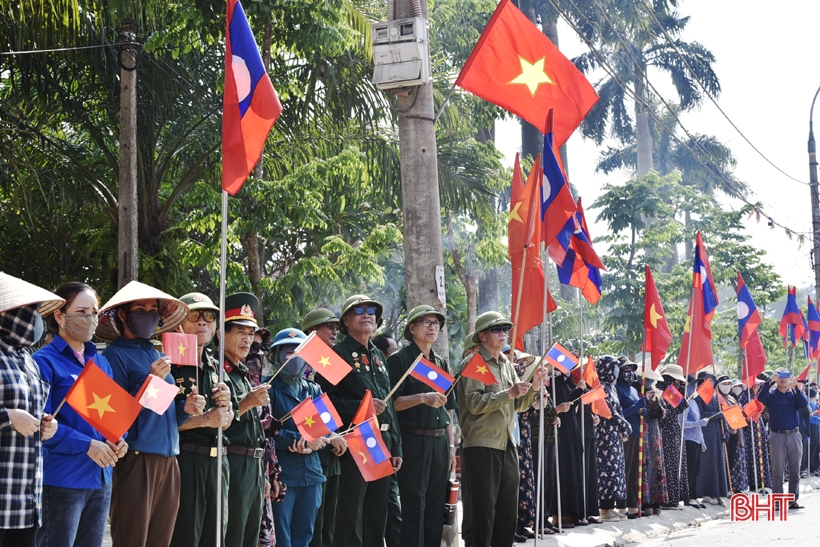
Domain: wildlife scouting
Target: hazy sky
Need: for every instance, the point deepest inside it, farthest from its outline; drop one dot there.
(769, 70)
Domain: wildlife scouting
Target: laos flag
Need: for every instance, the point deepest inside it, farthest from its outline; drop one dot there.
(250, 104)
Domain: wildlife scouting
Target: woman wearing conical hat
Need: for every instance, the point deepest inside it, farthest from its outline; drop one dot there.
(22, 402)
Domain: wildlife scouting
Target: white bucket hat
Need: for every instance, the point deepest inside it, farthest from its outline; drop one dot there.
(172, 311)
(15, 293)
(675, 371)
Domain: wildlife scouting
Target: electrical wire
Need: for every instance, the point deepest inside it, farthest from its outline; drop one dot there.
(55, 50)
(625, 87)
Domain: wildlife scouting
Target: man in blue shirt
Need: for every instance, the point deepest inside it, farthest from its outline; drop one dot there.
(783, 400)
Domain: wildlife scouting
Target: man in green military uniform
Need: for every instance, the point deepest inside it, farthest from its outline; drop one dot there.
(197, 459)
(426, 434)
(487, 416)
(361, 513)
(326, 326)
(245, 435)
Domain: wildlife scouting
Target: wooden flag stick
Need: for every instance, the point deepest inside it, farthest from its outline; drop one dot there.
(403, 378)
(54, 414)
(295, 353)
(452, 387)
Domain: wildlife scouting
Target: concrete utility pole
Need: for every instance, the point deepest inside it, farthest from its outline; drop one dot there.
(128, 202)
(419, 186)
(815, 200)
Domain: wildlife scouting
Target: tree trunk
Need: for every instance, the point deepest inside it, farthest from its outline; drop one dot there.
(128, 200)
(644, 135)
(488, 291)
(420, 191)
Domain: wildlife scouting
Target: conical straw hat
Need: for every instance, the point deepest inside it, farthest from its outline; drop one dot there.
(15, 293)
(172, 311)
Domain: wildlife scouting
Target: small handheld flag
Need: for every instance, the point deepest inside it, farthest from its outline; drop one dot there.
(366, 409)
(308, 421)
(369, 471)
(106, 406)
(590, 375)
(672, 396)
(753, 409)
(327, 412)
(595, 394)
(433, 376)
(734, 417)
(371, 439)
(323, 359)
(601, 409)
(561, 358)
(181, 348)
(706, 391)
(477, 369)
(156, 394)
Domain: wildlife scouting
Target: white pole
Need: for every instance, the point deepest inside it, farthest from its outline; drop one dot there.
(221, 367)
(583, 439)
(685, 386)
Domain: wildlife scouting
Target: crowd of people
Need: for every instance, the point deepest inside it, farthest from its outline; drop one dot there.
(159, 484)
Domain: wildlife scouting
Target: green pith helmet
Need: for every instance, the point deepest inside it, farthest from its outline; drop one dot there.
(319, 316)
(360, 300)
(468, 342)
(417, 313)
(486, 320)
(198, 301)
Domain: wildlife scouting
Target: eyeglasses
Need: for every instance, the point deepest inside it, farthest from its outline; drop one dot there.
(498, 329)
(208, 315)
(360, 310)
(430, 323)
(333, 327)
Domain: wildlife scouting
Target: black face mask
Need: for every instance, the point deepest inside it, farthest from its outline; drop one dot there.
(143, 324)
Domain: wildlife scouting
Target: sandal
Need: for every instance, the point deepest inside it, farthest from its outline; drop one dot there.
(593, 520)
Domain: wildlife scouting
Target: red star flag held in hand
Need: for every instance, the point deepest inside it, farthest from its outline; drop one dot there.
(754, 409)
(309, 421)
(323, 359)
(590, 375)
(516, 67)
(156, 394)
(706, 391)
(181, 348)
(477, 369)
(366, 409)
(734, 417)
(102, 403)
(601, 409)
(672, 396)
(595, 394)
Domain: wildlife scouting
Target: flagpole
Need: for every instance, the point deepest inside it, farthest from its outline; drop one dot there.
(404, 377)
(685, 387)
(646, 346)
(539, 485)
(806, 351)
(581, 361)
(555, 433)
(221, 367)
(751, 422)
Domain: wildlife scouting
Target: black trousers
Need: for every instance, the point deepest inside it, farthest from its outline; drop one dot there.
(591, 472)
(493, 479)
(631, 453)
(17, 537)
(423, 486)
(693, 452)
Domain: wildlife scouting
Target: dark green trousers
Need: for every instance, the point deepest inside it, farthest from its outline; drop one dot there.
(392, 532)
(326, 517)
(361, 511)
(492, 476)
(196, 518)
(423, 485)
(245, 496)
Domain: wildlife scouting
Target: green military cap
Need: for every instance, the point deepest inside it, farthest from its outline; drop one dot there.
(319, 316)
(198, 301)
(468, 342)
(486, 320)
(417, 313)
(241, 309)
(360, 300)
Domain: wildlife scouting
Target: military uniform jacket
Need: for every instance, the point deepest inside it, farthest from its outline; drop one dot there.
(420, 416)
(369, 372)
(204, 378)
(246, 430)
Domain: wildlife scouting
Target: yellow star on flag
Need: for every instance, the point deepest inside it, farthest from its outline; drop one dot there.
(654, 316)
(324, 361)
(482, 369)
(364, 458)
(101, 405)
(532, 75)
(181, 349)
(309, 421)
(152, 391)
(687, 327)
(514, 213)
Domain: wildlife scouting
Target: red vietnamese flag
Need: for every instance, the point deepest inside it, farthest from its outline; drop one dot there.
(590, 375)
(323, 359)
(524, 236)
(672, 396)
(156, 394)
(755, 358)
(805, 374)
(516, 67)
(734, 417)
(595, 394)
(181, 348)
(753, 409)
(250, 104)
(658, 335)
(601, 409)
(366, 409)
(306, 417)
(706, 391)
(477, 369)
(106, 406)
(369, 472)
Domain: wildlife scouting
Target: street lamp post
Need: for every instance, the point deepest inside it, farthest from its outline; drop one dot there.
(815, 200)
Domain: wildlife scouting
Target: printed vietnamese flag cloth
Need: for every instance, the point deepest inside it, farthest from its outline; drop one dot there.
(181, 348)
(433, 376)
(156, 394)
(672, 396)
(477, 369)
(102, 403)
(250, 104)
(323, 359)
(515, 66)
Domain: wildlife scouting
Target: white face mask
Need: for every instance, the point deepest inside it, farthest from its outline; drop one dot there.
(737, 390)
(724, 388)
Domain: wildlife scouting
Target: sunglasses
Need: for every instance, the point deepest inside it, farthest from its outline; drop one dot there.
(208, 315)
(499, 329)
(256, 348)
(360, 310)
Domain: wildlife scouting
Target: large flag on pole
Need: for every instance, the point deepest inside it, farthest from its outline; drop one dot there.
(791, 325)
(699, 319)
(748, 319)
(658, 335)
(515, 66)
(557, 205)
(250, 104)
(814, 330)
(577, 262)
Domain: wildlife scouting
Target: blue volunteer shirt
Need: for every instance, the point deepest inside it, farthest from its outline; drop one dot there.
(782, 407)
(65, 460)
(152, 433)
(815, 419)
